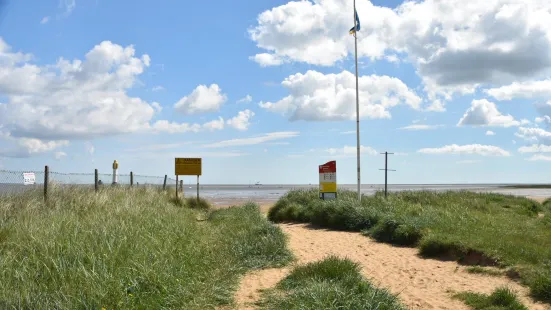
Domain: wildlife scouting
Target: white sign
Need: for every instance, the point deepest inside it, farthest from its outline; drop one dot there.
(329, 177)
(29, 179)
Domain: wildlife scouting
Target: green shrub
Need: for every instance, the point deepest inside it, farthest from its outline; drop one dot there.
(502, 298)
(332, 283)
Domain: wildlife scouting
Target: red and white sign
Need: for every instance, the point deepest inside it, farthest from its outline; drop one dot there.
(29, 178)
(328, 178)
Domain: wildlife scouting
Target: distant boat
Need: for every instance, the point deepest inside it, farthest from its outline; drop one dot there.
(257, 183)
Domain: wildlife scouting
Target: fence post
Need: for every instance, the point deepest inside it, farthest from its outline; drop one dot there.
(131, 178)
(182, 186)
(164, 184)
(176, 186)
(96, 177)
(46, 180)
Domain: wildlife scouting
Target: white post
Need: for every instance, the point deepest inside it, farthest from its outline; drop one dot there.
(115, 168)
(357, 104)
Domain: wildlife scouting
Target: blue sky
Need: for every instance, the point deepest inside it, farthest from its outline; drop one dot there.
(264, 90)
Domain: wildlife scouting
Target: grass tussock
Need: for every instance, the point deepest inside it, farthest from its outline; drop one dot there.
(484, 271)
(332, 283)
(500, 299)
(127, 249)
(484, 229)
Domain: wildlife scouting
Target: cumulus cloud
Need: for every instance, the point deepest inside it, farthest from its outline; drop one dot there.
(315, 96)
(202, 99)
(25, 147)
(350, 151)
(174, 127)
(455, 46)
(535, 148)
(242, 120)
(490, 133)
(45, 20)
(529, 89)
(534, 135)
(272, 136)
(420, 127)
(245, 99)
(72, 99)
(60, 155)
(469, 149)
(544, 109)
(539, 157)
(217, 124)
(485, 113)
(157, 88)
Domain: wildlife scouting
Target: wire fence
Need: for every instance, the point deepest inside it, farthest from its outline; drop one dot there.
(18, 181)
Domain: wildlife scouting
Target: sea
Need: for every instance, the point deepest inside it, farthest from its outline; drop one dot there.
(222, 194)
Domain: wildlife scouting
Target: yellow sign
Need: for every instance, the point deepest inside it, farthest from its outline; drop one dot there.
(328, 187)
(188, 166)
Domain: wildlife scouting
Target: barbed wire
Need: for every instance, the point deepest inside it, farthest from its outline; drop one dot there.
(13, 181)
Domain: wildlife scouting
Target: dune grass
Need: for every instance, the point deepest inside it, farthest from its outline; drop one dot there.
(127, 249)
(476, 229)
(501, 299)
(332, 283)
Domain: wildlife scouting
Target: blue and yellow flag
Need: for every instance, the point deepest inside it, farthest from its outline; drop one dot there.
(354, 30)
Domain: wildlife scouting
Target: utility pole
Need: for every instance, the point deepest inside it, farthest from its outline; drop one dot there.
(386, 171)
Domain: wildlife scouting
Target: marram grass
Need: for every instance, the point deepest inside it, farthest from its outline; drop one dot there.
(127, 249)
(332, 283)
(473, 228)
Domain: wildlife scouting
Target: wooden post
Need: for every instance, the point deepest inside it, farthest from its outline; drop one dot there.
(131, 178)
(182, 186)
(96, 185)
(176, 186)
(197, 188)
(386, 171)
(46, 180)
(164, 184)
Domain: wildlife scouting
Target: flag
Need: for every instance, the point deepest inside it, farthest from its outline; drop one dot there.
(352, 30)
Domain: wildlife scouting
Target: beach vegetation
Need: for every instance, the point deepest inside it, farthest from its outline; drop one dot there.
(483, 229)
(127, 248)
(332, 283)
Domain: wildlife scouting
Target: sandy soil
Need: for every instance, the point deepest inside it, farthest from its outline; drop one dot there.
(420, 283)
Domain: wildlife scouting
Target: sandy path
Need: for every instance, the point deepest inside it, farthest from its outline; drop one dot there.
(421, 283)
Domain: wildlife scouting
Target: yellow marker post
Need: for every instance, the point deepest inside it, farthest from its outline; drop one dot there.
(115, 168)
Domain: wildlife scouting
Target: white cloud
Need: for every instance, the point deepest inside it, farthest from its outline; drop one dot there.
(485, 113)
(68, 6)
(490, 133)
(350, 132)
(242, 120)
(543, 119)
(245, 99)
(156, 147)
(468, 161)
(544, 109)
(315, 96)
(254, 140)
(157, 106)
(455, 46)
(60, 155)
(45, 19)
(267, 60)
(215, 124)
(534, 135)
(539, 157)
(535, 148)
(25, 147)
(90, 149)
(174, 127)
(420, 127)
(470, 149)
(73, 99)
(157, 88)
(530, 89)
(202, 99)
(350, 151)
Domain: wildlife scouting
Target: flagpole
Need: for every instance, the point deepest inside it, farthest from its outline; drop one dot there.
(357, 103)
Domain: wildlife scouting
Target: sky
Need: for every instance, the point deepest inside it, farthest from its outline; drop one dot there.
(459, 91)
